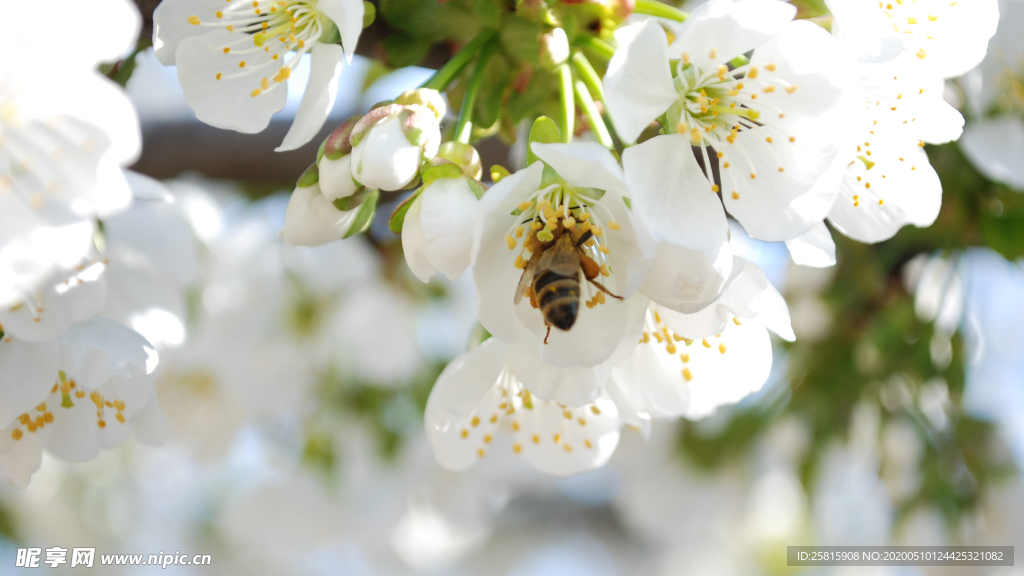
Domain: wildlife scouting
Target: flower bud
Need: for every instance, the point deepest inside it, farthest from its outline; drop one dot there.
(554, 49)
(464, 155)
(335, 163)
(390, 141)
(424, 97)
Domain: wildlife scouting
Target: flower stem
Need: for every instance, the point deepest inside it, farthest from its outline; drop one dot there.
(588, 75)
(464, 125)
(593, 115)
(598, 46)
(440, 80)
(567, 114)
(660, 9)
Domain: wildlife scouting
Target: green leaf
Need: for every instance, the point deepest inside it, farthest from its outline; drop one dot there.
(397, 220)
(401, 50)
(369, 13)
(498, 172)
(365, 216)
(544, 130)
(351, 202)
(309, 177)
(628, 202)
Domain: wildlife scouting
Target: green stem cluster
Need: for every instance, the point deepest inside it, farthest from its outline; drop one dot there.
(464, 125)
(444, 76)
(660, 9)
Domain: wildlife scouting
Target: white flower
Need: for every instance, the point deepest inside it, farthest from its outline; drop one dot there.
(690, 364)
(151, 259)
(64, 129)
(887, 179)
(772, 126)
(437, 230)
(577, 187)
(390, 142)
(89, 390)
(995, 144)
(479, 405)
(235, 57)
(312, 218)
(942, 39)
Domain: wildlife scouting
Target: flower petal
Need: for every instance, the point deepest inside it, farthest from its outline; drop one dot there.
(995, 146)
(336, 177)
(448, 210)
(318, 98)
(671, 195)
(60, 303)
(171, 25)
(942, 39)
(347, 15)
(638, 84)
(719, 31)
(29, 371)
(468, 382)
(687, 280)
(235, 101)
(813, 248)
(729, 367)
(651, 381)
(583, 164)
(19, 459)
(494, 273)
(748, 295)
(569, 385)
(899, 188)
(94, 351)
(311, 219)
(414, 243)
(385, 158)
(563, 442)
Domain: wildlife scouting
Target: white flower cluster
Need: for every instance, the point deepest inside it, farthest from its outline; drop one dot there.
(92, 259)
(609, 288)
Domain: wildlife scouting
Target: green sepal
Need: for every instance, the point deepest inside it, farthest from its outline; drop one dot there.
(498, 172)
(339, 142)
(369, 13)
(477, 187)
(351, 202)
(740, 60)
(376, 114)
(365, 216)
(410, 123)
(437, 168)
(545, 131)
(310, 177)
(330, 34)
(397, 220)
(628, 202)
(549, 176)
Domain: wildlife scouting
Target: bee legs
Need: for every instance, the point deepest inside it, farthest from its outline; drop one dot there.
(603, 289)
(546, 335)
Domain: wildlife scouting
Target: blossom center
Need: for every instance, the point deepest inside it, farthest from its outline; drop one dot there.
(513, 409)
(69, 391)
(267, 32)
(716, 105)
(656, 333)
(560, 209)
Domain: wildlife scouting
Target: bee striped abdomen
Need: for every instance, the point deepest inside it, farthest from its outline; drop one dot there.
(559, 298)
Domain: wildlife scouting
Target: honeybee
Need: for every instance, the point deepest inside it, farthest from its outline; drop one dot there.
(552, 276)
